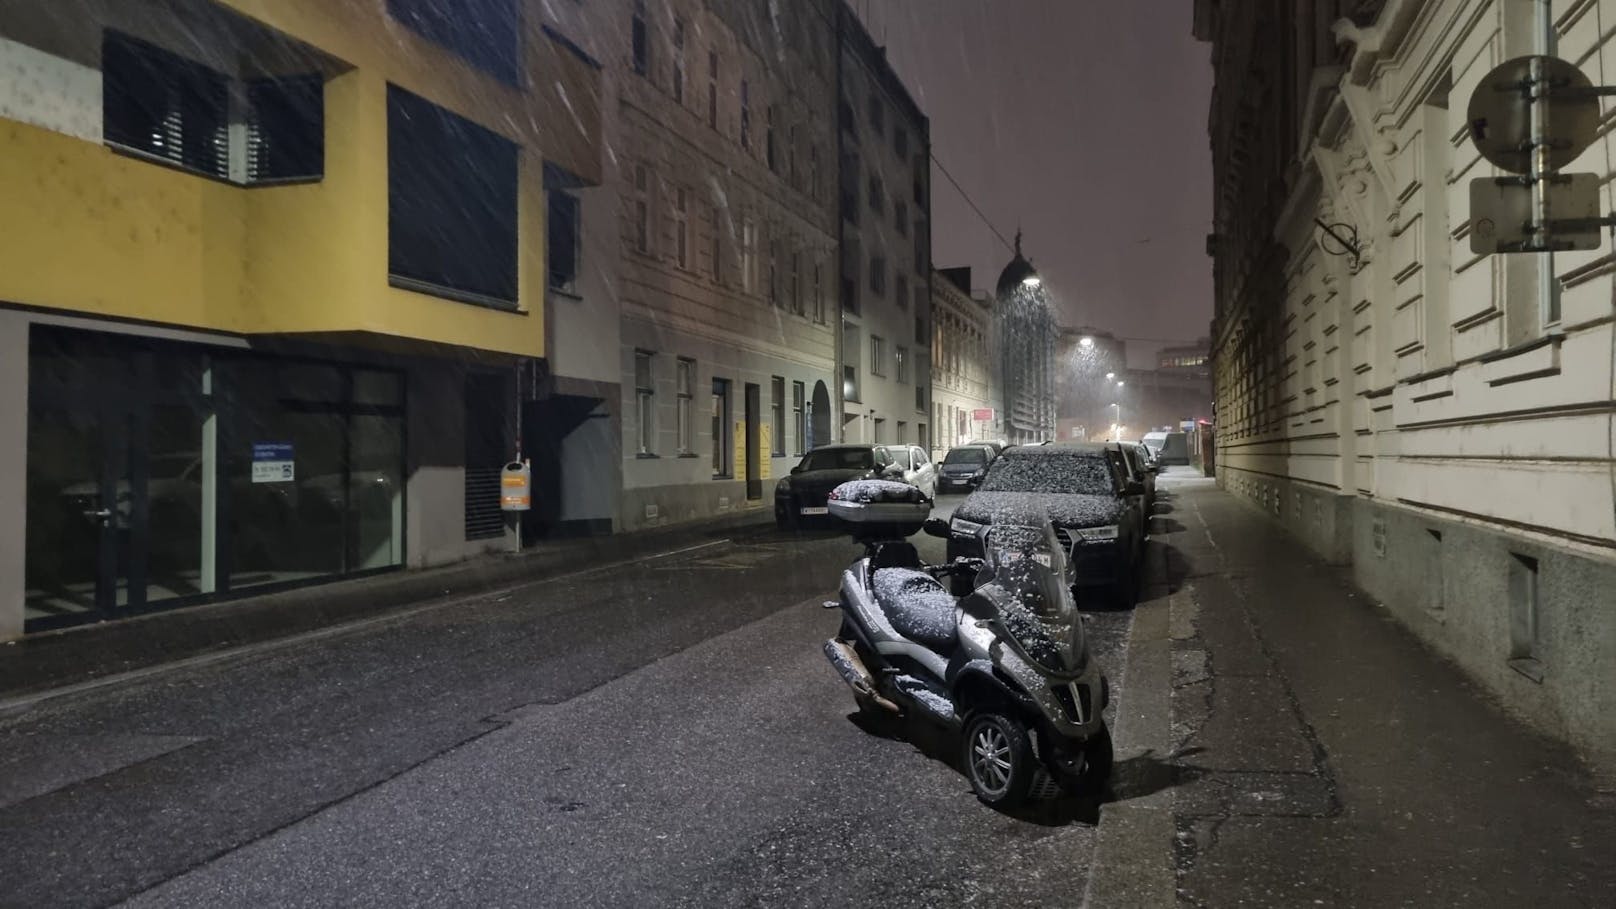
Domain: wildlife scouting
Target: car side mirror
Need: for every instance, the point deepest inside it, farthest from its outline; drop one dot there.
(892, 471)
(935, 527)
(797, 469)
(1134, 488)
(1152, 468)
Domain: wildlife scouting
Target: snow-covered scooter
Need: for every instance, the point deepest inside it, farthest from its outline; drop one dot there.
(1006, 664)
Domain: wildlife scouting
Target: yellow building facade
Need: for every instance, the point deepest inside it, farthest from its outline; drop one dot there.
(271, 288)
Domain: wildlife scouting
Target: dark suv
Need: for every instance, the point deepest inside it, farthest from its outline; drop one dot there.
(1086, 491)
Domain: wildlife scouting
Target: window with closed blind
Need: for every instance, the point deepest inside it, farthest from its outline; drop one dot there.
(166, 108)
(451, 204)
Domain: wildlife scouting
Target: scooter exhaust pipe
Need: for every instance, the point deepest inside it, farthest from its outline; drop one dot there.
(846, 660)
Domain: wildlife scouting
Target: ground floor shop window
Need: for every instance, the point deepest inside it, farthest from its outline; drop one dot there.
(161, 474)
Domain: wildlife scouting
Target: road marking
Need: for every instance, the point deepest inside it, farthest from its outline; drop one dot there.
(22, 702)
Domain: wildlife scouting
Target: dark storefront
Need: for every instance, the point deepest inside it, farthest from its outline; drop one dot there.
(163, 474)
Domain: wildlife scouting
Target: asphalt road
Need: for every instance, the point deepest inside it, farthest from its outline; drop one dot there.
(664, 734)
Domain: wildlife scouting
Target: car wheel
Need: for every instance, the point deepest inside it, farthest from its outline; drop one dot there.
(998, 759)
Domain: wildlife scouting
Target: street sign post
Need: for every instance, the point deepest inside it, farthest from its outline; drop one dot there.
(1500, 113)
(1501, 214)
(1532, 116)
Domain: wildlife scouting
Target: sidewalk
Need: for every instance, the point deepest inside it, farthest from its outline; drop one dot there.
(87, 653)
(1314, 753)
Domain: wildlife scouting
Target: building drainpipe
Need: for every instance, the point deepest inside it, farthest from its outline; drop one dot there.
(1548, 302)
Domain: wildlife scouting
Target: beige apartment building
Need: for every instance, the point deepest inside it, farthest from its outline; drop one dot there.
(1417, 411)
(722, 248)
(962, 386)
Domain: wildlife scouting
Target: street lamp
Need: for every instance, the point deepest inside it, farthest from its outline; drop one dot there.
(1085, 342)
(1110, 375)
(1031, 281)
(1121, 383)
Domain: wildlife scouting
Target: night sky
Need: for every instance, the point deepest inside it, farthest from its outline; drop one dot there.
(1083, 122)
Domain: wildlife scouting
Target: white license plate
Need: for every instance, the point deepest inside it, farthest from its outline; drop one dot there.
(815, 511)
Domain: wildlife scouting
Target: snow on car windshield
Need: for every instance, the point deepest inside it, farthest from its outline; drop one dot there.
(966, 456)
(1069, 474)
(839, 459)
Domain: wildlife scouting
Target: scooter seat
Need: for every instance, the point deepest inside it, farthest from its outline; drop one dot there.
(918, 607)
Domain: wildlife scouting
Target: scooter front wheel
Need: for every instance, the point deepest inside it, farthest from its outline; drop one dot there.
(998, 759)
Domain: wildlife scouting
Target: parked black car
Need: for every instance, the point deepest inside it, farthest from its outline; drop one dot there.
(1089, 497)
(800, 498)
(964, 466)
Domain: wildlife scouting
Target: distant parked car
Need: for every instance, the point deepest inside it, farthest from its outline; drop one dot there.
(998, 445)
(802, 496)
(964, 466)
(1142, 470)
(1168, 447)
(1086, 492)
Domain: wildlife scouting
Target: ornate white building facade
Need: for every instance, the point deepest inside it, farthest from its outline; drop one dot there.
(1417, 411)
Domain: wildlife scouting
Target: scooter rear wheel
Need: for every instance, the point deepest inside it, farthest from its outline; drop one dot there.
(998, 759)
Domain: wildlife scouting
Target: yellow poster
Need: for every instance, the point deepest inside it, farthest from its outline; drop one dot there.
(740, 449)
(765, 450)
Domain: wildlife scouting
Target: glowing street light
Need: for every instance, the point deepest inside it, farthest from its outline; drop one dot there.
(1121, 383)
(1110, 375)
(1085, 342)
(1031, 281)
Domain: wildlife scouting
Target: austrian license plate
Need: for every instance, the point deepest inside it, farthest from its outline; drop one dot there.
(815, 511)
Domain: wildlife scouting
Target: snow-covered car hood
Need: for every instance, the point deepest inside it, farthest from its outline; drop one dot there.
(1063, 510)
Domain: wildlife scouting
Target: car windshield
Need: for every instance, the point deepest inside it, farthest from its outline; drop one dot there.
(1058, 473)
(839, 459)
(966, 456)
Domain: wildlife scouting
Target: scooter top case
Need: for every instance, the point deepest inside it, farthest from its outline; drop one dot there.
(879, 509)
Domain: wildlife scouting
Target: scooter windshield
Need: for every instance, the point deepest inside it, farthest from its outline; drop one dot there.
(1029, 589)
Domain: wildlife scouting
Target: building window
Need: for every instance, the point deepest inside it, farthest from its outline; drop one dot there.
(920, 398)
(903, 436)
(880, 430)
(920, 307)
(712, 89)
(561, 238)
(819, 293)
(641, 40)
(794, 288)
(679, 62)
(645, 402)
(172, 109)
(878, 355)
(681, 227)
(777, 416)
(774, 266)
(791, 156)
(746, 115)
(721, 433)
(900, 141)
(749, 263)
(877, 114)
(900, 291)
(922, 265)
(878, 275)
(902, 355)
(451, 203)
(900, 217)
(642, 209)
(685, 387)
(768, 138)
(715, 251)
(920, 324)
(485, 33)
(799, 421)
(850, 356)
(923, 437)
(877, 193)
(813, 169)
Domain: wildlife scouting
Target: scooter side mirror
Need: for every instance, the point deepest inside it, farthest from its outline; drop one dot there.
(979, 607)
(935, 527)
